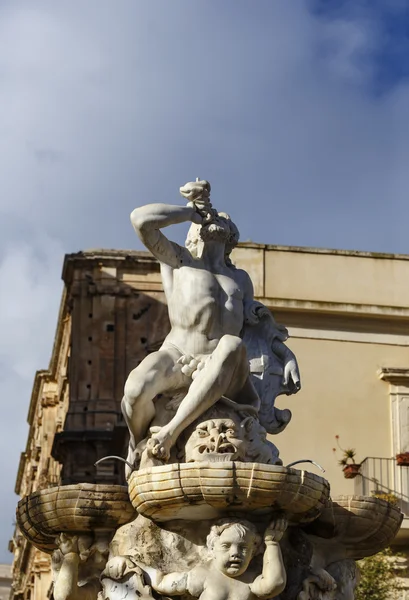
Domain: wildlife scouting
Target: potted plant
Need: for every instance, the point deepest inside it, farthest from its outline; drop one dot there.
(402, 459)
(349, 466)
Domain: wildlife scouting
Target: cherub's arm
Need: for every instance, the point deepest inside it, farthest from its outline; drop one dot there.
(273, 578)
(66, 584)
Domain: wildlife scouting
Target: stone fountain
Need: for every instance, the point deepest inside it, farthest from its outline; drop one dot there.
(210, 511)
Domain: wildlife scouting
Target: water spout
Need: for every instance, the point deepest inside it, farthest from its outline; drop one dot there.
(305, 460)
(116, 458)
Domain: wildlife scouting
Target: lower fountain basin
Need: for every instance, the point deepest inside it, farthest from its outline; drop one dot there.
(358, 526)
(79, 508)
(206, 490)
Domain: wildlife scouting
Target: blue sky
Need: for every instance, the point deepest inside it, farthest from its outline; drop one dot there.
(297, 112)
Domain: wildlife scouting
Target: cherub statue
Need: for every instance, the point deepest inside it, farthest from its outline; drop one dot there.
(209, 302)
(77, 565)
(227, 575)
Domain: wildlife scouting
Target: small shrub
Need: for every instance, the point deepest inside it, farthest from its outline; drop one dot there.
(378, 580)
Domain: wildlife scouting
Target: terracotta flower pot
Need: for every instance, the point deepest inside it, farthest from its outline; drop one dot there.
(351, 471)
(402, 460)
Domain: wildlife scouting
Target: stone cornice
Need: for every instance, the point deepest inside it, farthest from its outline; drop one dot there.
(333, 252)
(109, 258)
(394, 376)
(39, 378)
(336, 308)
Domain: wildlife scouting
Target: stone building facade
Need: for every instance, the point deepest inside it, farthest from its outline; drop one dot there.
(112, 314)
(348, 318)
(5, 581)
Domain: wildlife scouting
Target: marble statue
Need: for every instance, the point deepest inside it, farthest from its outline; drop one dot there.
(209, 510)
(337, 582)
(230, 439)
(210, 303)
(226, 574)
(77, 565)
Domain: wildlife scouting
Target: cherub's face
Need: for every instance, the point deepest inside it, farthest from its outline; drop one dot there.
(232, 553)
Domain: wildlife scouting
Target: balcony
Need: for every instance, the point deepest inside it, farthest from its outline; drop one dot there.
(383, 478)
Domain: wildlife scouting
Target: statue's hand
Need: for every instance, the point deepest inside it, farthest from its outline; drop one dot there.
(291, 377)
(275, 530)
(197, 192)
(189, 365)
(198, 195)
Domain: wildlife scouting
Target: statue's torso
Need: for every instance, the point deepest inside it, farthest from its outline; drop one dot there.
(203, 306)
(220, 587)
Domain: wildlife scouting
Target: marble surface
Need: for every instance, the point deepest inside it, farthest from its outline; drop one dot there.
(215, 322)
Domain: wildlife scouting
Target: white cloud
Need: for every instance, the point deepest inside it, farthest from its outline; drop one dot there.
(29, 296)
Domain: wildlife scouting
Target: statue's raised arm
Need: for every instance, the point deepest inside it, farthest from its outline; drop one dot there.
(148, 220)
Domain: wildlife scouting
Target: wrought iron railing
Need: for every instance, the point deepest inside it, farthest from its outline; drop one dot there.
(383, 478)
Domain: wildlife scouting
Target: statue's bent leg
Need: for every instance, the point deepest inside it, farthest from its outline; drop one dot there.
(227, 363)
(152, 376)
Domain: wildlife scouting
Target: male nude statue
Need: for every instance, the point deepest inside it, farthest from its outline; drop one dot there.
(208, 301)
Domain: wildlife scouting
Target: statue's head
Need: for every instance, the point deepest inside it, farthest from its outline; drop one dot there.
(216, 440)
(233, 544)
(219, 229)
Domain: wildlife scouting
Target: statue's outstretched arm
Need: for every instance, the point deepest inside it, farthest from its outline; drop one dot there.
(149, 219)
(273, 578)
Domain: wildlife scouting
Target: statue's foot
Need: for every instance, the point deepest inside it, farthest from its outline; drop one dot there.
(160, 445)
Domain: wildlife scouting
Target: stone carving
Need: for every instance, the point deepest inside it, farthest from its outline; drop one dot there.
(82, 507)
(231, 546)
(353, 527)
(217, 440)
(207, 490)
(124, 580)
(273, 366)
(77, 564)
(337, 582)
(204, 356)
(211, 495)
